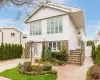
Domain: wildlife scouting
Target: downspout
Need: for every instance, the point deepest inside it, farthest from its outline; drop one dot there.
(2, 35)
(20, 38)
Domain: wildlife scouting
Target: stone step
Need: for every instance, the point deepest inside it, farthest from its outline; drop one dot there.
(76, 53)
(76, 60)
(73, 62)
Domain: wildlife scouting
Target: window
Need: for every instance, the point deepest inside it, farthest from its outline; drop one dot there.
(12, 34)
(55, 25)
(35, 28)
(55, 46)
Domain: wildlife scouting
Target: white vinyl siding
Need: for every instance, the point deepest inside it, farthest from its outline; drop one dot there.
(55, 25)
(36, 28)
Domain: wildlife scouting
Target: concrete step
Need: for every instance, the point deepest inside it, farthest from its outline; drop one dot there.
(73, 62)
(76, 53)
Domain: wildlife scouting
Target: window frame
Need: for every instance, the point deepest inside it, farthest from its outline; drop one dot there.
(36, 28)
(49, 27)
(56, 48)
(12, 34)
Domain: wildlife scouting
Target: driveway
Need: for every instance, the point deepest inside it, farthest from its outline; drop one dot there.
(4, 65)
(74, 72)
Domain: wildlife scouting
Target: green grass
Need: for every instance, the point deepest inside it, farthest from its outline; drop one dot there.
(14, 75)
(88, 77)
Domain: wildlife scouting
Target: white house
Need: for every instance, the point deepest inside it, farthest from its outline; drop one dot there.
(97, 41)
(11, 35)
(54, 23)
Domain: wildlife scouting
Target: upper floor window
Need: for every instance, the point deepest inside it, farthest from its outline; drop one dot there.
(36, 28)
(12, 34)
(55, 25)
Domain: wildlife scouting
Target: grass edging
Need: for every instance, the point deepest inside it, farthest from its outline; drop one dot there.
(14, 75)
(88, 77)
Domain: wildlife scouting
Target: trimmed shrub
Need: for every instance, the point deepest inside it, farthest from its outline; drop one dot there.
(93, 53)
(27, 67)
(43, 50)
(47, 67)
(59, 56)
(39, 73)
(8, 51)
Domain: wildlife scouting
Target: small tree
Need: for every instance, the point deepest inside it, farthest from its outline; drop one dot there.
(93, 53)
(90, 43)
(43, 50)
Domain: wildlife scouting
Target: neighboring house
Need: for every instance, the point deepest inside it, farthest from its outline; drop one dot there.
(97, 41)
(11, 35)
(55, 23)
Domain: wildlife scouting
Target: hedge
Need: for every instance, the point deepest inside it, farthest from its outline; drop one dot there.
(10, 51)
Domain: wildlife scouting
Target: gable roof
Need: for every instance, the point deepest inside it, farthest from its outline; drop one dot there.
(13, 29)
(70, 10)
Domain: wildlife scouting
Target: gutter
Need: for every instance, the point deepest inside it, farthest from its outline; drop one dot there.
(20, 38)
(2, 35)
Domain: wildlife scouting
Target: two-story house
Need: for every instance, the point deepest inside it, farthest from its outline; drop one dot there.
(55, 23)
(12, 36)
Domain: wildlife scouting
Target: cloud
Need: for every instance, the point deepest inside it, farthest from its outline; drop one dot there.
(10, 23)
(92, 31)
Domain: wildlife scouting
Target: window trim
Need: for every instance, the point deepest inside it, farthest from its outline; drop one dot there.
(12, 34)
(52, 48)
(58, 25)
(36, 28)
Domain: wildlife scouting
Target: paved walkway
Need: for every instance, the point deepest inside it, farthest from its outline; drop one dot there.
(74, 72)
(67, 72)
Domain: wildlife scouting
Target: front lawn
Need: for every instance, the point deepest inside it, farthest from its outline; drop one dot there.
(14, 75)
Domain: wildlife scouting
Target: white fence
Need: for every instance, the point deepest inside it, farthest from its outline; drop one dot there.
(88, 50)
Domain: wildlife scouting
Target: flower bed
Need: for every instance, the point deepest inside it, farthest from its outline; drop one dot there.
(36, 69)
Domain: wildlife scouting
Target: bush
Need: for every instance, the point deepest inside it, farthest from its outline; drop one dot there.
(56, 61)
(19, 66)
(37, 67)
(53, 59)
(40, 73)
(28, 63)
(88, 76)
(10, 51)
(47, 67)
(59, 56)
(36, 60)
(93, 52)
(90, 43)
(27, 67)
(95, 72)
(61, 62)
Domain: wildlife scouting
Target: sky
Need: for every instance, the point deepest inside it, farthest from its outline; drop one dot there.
(91, 13)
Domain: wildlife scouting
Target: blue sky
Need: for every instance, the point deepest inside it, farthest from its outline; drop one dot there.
(91, 13)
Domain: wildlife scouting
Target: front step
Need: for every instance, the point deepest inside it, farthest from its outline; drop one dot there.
(74, 57)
